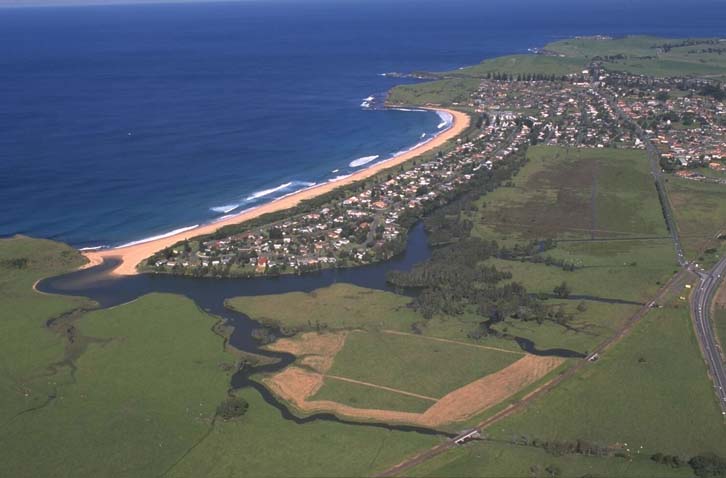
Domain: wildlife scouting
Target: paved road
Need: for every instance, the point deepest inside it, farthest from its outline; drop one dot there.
(700, 312)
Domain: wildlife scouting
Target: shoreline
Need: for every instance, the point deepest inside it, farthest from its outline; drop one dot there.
(133, 254)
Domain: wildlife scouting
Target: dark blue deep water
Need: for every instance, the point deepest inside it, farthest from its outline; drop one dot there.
(124, 122)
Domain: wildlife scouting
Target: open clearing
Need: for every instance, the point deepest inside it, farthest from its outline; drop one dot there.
(346, 375)
(645, 55)
(652, 390)
(700, 212)
(601, 208)
(575, 194)
(415, 364)
(503, 460)
(297, 385)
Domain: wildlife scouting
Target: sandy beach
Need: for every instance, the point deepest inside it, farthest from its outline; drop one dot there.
(130, 256)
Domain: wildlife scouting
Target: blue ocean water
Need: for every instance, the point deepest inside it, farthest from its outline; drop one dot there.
(123, 122)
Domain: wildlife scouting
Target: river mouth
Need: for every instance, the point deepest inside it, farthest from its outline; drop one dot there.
(210, 295)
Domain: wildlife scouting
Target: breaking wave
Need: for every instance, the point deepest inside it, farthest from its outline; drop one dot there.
(361, 161)
(446, 119)
(282, 187)
(338, 178)
(160, 236)
(225, 209)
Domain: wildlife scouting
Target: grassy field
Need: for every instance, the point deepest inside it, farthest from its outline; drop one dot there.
(651, 390)
(601, 207)
(575, 193)
(363, 396)
(588, 328)
(27, 347)
(138, 399)
(523, 64)
(415, 364)
(503, 460)
(606, 269)
(700, 212)
(142, 391)
(645, 55)
(340, 306)
(262, 444)
(439, 92)
(458, 85)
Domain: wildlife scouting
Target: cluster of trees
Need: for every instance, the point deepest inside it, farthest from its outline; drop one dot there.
(717, 51)
(551, 261)
(526, 77)
(713, 90)
(549, 471)
(708, 466)
(616, 57)
(532, 252)
(704, 466)
(666, 47)
(674, 461)
(15, 263)
(232, 407)
(453, 279)
(564, 447)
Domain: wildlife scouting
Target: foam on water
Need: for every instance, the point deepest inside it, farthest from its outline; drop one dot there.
(446, 119)
(161, 236)
(338, 178)
(364, 160)
(225, 209)
(282, 187)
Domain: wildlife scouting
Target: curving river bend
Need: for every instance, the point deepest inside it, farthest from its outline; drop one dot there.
(210, 295)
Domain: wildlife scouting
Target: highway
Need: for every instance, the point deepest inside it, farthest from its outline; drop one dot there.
(701, 300)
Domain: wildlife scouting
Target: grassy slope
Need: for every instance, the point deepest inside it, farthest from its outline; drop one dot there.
(700, 212)
(415, 364)
(460, 84)
(663, 402)
(679, 61)
(502, 460)
(145, 391)
(27, 347)
(339, 306)
(261, 444)
(440, 92)
(523, 64)
(137, 403)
